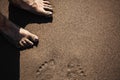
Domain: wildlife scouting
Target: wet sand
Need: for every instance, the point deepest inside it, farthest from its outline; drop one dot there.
(80, 42)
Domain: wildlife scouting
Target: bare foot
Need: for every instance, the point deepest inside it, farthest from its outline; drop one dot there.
(40, 7)
(20, 37)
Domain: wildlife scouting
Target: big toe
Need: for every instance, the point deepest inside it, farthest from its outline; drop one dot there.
(34, 39)
(47, 13)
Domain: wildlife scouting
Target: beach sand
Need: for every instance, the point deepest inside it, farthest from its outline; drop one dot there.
(80, 42)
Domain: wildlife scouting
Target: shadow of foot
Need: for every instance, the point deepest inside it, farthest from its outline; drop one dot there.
(22, 17)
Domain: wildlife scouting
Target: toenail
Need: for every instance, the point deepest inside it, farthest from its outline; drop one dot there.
(36, 40)
(50, 13)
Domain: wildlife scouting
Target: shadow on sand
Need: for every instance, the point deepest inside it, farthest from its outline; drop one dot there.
(21, 17)
(10, 56)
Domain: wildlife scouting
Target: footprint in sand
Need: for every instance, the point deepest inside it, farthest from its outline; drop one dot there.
(46, 70)
(75, 71)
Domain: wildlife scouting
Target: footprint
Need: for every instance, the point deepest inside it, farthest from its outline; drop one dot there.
(75, 71)
(46, 70)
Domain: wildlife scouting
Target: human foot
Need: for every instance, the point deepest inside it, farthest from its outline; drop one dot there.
(40, 7)
(20, 37)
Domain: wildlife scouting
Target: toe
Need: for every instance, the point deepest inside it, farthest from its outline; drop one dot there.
(46, 5)
(33, 38)
(29, 43)
(48, 8)
(25, 43)
(46, 2)
(47, 13)
(21, 44)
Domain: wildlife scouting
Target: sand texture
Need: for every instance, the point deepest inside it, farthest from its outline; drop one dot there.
(80, 42)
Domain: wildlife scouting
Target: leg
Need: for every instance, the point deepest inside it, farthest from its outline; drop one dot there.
(40, 7)
(20, 37)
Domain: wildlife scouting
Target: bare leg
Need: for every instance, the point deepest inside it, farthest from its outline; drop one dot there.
(40, 7)
(20, 37)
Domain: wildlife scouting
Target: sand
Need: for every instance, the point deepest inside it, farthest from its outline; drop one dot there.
(80, 42)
